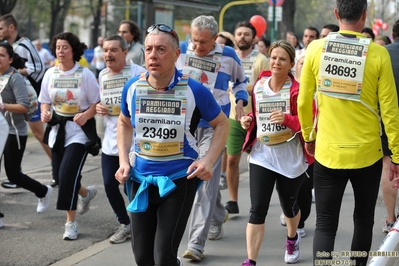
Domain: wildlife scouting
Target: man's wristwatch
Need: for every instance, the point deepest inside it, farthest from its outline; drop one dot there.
(2, 106)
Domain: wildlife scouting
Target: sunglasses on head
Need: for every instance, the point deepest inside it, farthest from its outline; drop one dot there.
(164, 28)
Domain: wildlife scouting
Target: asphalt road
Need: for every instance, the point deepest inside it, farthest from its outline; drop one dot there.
(32, 239)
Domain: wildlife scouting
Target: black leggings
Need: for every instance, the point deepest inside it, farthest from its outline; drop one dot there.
(329, 187)
(12, 164)
(67, 172)
(157, 232)
(305, 196)
(109, 166)
(261, 185)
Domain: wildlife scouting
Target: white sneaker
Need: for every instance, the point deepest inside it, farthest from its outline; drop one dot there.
(215, 232)
(84, 203)
(180, 261)
(121, 234)
(313, 197)
(301, 231)
(282, 220)
(71, 231)
(193, 254)
(44, 203)
(292, 250)
(223, 182)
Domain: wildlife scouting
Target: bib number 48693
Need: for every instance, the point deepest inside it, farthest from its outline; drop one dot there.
(341, 71)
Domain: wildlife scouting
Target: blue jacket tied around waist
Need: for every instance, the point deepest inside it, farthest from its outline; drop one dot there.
(164, 184)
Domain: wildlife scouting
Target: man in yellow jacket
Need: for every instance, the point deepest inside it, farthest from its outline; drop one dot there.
(352, 80)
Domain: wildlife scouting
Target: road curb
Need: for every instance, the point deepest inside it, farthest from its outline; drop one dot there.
(84, 254)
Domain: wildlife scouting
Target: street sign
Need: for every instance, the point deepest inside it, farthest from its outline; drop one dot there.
(279, 13)
(277, 2)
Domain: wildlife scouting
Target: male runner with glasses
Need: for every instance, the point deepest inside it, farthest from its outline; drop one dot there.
(214, 66)
(162, 107)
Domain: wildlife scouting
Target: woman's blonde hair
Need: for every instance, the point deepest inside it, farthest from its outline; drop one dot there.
(287, 46)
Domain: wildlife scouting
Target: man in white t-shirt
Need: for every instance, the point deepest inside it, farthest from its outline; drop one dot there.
(309, 34)
(112, 80)
(253, 63)
(45, 55)
(98, 60)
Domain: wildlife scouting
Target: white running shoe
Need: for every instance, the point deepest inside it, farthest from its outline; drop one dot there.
(215, 232)
(282, 220)
(223, 182)
(193, 254)
(292, 250)
(44, 203)
(301, 231)
(84, 203)
(71, 231)
(313, 196)
(121, 234)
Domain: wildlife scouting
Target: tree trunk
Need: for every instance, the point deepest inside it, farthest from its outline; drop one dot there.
(287, 24)
(96, 12)
(59, 10)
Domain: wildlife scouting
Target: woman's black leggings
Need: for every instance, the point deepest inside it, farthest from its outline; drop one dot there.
(261, 185)
(305, 196)
(12, 164)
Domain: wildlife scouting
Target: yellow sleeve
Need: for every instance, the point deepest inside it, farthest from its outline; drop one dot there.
(261, 63)
(83, 62)
(307, 90)
(388, 102)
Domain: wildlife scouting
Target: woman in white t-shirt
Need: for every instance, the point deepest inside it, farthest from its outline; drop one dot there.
(277, 156)
(68, 97)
